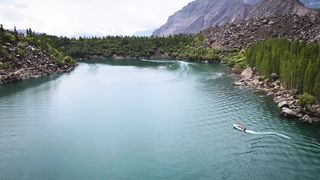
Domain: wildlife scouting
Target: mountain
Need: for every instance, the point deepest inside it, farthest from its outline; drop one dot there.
(201, 14)
(251, 1)
(269, 8)
(144, 33)
(311, 3)
(241, 34)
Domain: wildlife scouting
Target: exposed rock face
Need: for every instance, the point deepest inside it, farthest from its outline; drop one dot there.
(239, 35)
(202, 14)
(267, 8)
(23, 61)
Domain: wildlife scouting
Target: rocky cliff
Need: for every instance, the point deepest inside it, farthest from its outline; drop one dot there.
(241, 34)
(202, 14)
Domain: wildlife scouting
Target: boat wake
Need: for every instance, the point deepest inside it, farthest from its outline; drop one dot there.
(159, 61)
(268, 133)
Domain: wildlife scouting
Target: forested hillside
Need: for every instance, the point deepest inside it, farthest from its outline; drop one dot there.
(297, 63)
(186, 47)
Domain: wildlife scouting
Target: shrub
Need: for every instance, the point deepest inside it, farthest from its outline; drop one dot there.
(4, 65)
(237, 60)
(305, 100)
(68, 60)
(8, 37)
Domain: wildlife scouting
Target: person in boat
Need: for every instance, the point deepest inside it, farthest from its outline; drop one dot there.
(242, 127)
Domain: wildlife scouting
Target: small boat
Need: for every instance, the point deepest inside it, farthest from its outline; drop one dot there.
(239, 127)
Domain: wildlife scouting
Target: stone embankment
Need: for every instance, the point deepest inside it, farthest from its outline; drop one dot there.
(286, 99)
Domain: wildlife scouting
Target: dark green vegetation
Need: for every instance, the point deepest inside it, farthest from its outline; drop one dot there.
(297, 63)
(15, 46)
(187, 47)
(237, 59)
(123, 46)
(305, 100)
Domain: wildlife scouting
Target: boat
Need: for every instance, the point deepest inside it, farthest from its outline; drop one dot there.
(239, 127)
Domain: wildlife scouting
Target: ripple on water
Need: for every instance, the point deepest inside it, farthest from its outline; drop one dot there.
(168, 120)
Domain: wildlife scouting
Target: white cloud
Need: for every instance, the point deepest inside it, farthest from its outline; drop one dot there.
(101, 17)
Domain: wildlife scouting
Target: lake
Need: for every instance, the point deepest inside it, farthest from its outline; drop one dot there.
(141, 119)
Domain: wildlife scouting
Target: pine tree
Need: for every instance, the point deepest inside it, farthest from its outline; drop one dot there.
(15, 33)
(1, 29)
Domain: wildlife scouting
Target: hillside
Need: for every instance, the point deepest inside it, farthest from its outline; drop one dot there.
(202, 14)
(22, 58)
(239, 35)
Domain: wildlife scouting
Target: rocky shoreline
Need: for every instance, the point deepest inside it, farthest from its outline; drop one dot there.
(286, 99)
(28, 62)
(8, 76)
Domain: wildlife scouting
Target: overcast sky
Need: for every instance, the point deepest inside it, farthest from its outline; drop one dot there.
(100, 17)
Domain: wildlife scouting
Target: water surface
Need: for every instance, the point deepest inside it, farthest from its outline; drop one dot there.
(139, 119)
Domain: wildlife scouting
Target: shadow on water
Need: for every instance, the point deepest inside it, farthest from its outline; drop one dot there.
(14, 87)
(133, 62)
(170, 65)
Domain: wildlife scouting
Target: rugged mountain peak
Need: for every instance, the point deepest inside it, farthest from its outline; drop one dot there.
(251, 1)
(275, 7)
(201, 14)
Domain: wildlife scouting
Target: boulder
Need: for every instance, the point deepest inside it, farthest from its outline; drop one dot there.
(313, 112)
(275, 90)
(293, 92)
(278, 83)
(274, 77)
(292, 102)
(270, 94)
(247, 73)
(306, 119)
(205, 62)
(255, 81)
(288, 113)
(315, 106)
(277, 99)
(3, 72)
(300, 115)
(283, 104)
(237, 83)
(261, 83)
(18, 72)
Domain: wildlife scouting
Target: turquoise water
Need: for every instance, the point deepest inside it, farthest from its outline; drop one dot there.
(138, 119)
